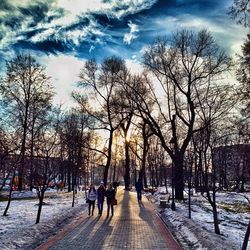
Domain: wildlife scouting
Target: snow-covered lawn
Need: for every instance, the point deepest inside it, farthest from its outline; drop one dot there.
(18, 230)
(198, 233)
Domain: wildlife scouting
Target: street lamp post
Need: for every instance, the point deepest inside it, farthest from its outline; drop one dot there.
(173, 182)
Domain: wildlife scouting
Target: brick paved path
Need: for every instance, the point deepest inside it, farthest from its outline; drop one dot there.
(133, 226)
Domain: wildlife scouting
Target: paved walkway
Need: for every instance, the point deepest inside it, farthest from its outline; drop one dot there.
(133, 226)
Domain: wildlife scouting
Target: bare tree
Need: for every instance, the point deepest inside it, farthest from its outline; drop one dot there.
(47, 158)
(146, 134)
(243, 76)
(156, 162)
(214, 101)
(135, 87)
(103, 81)
(240, 12)
(8, 161)
(125, 109)
(27, 92)
(7, 151)
(73, 137)
(181, 66)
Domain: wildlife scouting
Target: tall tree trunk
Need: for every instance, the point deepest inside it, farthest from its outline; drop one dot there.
(214, 208)
(125, 127)
(144, 159)
(74, 173)
(106, 168)
(10, 194)
(151, 174)
(73, 198)
(21, 174)
(216, 221)
(201, 181)
(40, 205)
(127, 166)
(246, 238)
(23, 146)
(69, 175)
(144, 154)
(178, 176)
(145, 180)
(243, 172)
(212, 200)
(32, 158)
(157, 175)
(196, 175)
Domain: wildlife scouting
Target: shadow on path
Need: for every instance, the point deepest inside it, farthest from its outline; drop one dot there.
(133, 226)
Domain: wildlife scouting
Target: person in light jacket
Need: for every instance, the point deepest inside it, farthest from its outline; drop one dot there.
(110, 194)
(92, 195)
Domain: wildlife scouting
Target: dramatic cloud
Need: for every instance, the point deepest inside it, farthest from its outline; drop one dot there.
(64, 23)
(67, 32)
(129, 37)
(84, 28)
(227, 36)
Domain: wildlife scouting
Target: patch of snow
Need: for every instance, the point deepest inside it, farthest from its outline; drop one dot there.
(19, 231)
(198, 232)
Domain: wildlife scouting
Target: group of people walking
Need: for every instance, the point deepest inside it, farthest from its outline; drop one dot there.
(100, 195)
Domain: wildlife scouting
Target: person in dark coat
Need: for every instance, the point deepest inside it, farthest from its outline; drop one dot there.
(139, 187)
(100, 197)
(110, 194)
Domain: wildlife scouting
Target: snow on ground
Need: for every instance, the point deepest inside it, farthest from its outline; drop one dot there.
(19, 231)
(198, 232)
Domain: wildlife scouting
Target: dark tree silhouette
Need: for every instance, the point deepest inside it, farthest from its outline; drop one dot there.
(240, 12)
(181, 66)
(103, 81)
(27, 93)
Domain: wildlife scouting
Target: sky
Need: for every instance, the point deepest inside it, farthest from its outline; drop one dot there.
(63, 34)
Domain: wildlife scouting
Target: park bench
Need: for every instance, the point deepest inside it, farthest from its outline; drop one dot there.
(164, 200)
(150, 190)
